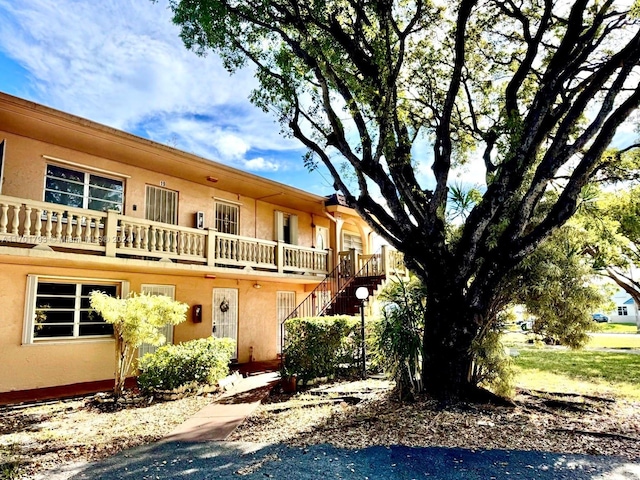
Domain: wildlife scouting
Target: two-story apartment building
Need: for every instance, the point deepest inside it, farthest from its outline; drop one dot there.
(84, 206)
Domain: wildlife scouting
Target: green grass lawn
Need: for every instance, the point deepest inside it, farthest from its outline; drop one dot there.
(618, 328)
(624, 342)
(583, 372)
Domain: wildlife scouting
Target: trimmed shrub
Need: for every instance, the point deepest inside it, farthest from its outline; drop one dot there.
(203, 361)
(322, 347)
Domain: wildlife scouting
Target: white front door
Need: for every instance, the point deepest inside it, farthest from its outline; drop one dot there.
(167, 330)
(225, 314)
(286, 302)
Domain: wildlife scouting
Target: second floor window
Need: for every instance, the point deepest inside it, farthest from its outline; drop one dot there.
(350, 240)
(227, 216)
(75, 188)
(162, 205)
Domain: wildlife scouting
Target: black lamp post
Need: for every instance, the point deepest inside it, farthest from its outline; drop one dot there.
(362, 293)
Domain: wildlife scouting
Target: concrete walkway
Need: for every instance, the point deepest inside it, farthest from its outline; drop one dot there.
(215, 422)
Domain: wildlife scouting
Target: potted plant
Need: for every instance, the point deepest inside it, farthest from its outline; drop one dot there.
(288, 379)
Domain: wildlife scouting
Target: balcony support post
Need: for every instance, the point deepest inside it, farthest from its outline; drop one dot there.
(211, 247)
(111, 233)
(280, 257)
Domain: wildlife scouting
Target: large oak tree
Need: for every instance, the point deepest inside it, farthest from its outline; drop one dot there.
(534, 90)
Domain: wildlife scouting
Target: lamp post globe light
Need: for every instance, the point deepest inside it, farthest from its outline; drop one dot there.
(362, 293)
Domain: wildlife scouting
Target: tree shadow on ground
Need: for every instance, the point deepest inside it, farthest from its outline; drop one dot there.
(227, 460)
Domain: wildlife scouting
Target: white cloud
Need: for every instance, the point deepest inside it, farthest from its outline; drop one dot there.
(115, 62)
(261, 165)
(123, 64)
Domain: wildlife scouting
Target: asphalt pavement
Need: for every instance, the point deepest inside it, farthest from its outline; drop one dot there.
(240, 461)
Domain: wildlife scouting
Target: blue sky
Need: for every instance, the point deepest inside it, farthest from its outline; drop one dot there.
(122, 63)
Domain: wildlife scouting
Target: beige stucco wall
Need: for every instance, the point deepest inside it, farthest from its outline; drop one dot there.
(24, 177)
(47, 364)
(62, 363)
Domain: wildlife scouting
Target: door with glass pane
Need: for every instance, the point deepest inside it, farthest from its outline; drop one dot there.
(167, 331)
(286, 302)
(225, 314)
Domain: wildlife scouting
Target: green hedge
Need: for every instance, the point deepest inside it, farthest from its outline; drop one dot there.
(203, 361)
(322, 347)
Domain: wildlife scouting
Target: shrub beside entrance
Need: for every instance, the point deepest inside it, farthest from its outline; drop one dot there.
(321, 347)
(197, 362)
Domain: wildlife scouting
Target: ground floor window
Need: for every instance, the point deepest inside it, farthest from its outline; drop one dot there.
(285, 304)
(622, 311)
(167, 330)
(60, 309)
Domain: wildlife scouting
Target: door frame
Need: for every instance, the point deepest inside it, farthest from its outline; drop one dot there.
(217, 309)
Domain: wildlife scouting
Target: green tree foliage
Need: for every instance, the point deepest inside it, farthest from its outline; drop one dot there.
(136, 320)
(611, 236)
(556, 285)
(530, 93)
(397, 339)
(492, 366)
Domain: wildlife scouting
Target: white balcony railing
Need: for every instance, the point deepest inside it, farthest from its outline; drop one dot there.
(63, 228)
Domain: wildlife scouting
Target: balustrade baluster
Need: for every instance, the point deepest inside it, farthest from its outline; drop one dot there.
(174, 241)
(16, 219)
(68, 232)
(218, 248)
(226, 249)
(87, 229)
(128, 235)
(48, 226)
(4, 218)
(160, 235)
(137, 239)
(152, 238)
(145, 238)
(58, 226)
(77, 237)
(181, 243)
(26, 228)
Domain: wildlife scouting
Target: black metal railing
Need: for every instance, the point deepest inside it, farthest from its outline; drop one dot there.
(328, 292)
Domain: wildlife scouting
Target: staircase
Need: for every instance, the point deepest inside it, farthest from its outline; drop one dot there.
(335, 295)
(346, 303)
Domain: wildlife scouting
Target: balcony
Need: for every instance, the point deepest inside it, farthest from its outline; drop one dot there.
(66, 229)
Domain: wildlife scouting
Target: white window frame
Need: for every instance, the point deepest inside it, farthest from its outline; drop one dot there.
(623, 310)
(231, 206)
(283, 220)
(346, 234)
(165, 214)
(28, 337)
(285, 304)
(321, 238)
(87, 172)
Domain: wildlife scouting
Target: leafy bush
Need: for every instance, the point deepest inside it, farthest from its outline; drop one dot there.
(492, 367)
(203, 361)
(321, 347)
(397, 340)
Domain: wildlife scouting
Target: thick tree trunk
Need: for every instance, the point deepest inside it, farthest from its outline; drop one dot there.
(450, 328)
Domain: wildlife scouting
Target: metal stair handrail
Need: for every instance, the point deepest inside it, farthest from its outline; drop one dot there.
(309, 305)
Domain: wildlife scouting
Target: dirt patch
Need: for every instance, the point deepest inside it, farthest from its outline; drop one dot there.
(562, 423)
(37, 438)
(355, 414)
